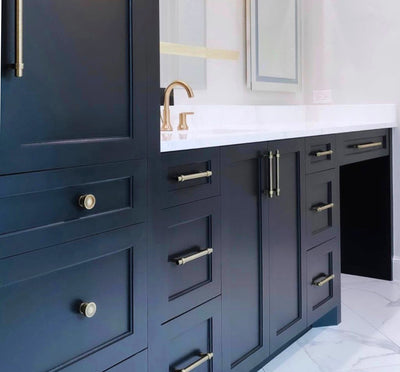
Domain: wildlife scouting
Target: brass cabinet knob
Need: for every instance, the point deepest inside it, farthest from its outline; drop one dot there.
(88, 309)
(87, 201)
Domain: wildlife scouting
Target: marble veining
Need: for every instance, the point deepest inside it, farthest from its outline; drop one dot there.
(367, 340)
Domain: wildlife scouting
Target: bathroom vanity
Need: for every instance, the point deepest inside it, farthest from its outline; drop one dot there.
(251, 239)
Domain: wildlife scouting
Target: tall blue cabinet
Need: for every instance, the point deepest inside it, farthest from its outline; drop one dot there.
(74, 141)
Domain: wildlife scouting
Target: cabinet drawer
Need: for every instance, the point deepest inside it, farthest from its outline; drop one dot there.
(42, 209)
(179, 169)
(359, 146)
(190, 256)
(323, 280)
(137, 363)
(322, 207)
(42, 296)
(320, 153)
(193, 337)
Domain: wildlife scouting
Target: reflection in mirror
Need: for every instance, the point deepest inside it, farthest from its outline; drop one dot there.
(183, 22)
(274, 45)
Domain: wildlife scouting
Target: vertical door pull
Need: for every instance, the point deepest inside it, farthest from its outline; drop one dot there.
(19, 38)
(271, 174)
(278, 173)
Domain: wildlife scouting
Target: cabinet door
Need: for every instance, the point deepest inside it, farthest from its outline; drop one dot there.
(245, 294)
(82, 96)
(286, 266)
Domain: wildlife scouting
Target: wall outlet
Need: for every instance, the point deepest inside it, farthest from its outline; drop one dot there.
(322, 96)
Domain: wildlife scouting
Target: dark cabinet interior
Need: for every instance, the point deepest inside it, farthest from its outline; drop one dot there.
(366, 218)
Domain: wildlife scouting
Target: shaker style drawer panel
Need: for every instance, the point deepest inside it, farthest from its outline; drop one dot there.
(322, 211)
(323, 279)
(321, 153)
(190, 254)
(359, 146)
(191, 342)
(189, 176)
(137, 363)
(48, 208)
(80, 305)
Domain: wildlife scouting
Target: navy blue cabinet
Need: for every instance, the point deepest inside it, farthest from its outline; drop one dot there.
(41, 209)
(245, 287)
(264, 305)
(80, 305)
(83, 95)
(193, 338)
(188, 256)
(285, 208)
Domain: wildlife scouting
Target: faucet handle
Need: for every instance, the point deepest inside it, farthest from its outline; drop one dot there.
(182, 120)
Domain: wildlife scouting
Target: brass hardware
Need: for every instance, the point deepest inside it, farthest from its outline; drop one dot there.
(19, 56)
(278, 173)
(271, 177)
(368, 145)
(182, 120)
(88, 309)
(197, 51)
(204, 358)
(322, 280)
(318, 154)
(87, 201)
(184, 260)
(323, 207)
(166, 118)
(194, 176)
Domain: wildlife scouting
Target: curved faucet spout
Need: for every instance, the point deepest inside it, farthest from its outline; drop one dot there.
(166, 120)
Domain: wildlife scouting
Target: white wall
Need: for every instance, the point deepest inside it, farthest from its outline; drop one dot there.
(353, 48)
(226, 80)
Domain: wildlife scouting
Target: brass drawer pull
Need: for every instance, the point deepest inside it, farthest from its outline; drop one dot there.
(278, 174)
(271, 176)
(184, 260)
(194, 176)
(319, 154)
(204, 358)
(19, 46)
(88, 309)
(87, 201)
(323, 207)
(368, 145)
(322, 280)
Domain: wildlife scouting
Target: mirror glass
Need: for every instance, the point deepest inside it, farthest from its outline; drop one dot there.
(183, 23)
(274, 47)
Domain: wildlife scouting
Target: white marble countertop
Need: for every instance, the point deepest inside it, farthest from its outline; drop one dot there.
(213, 126)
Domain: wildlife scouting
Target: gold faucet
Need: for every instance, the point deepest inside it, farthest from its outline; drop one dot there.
(166, 120)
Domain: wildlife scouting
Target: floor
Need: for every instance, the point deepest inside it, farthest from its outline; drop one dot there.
(367, 340)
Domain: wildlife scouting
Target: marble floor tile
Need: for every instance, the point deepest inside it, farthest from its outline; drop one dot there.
(367, 340)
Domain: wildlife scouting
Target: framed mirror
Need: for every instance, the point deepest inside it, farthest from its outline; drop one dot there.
(274, 45)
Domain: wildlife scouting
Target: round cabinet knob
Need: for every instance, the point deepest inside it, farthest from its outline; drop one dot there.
(87, 201)
(88, 309)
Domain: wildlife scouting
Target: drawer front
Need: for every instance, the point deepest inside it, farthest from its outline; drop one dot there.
(204, 164)
(323, 280)
(321, 153)
(359, 146)
(44, 208)
(322, 207)
(190, 256)
(194, 337)
(44, 292)
(137, 363)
